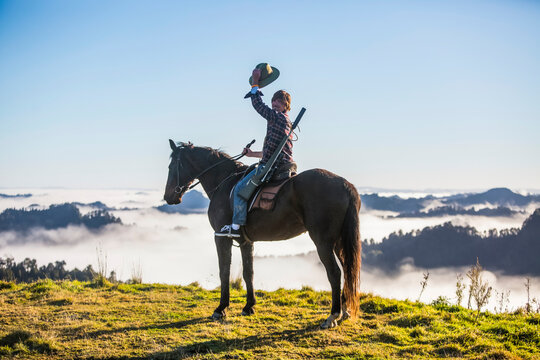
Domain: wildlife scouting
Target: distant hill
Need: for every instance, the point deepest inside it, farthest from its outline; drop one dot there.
(56, 216)
(414, 207)
(394, 203)
(193, 202)
(455, 210)
(512, 251)
(497, 196)
(6, 196)
(96, 204)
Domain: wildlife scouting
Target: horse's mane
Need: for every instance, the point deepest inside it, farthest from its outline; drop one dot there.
(217, 153)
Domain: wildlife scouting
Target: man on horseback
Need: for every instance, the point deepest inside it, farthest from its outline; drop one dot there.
(278, 126)
(315, 201)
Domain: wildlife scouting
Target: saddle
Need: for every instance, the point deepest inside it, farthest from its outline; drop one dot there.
(265, 196)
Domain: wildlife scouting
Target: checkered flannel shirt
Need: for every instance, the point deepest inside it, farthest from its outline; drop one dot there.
(277, 128)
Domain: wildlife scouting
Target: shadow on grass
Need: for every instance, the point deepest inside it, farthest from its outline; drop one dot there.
(246, 343)
(219, 346)
(173, 325)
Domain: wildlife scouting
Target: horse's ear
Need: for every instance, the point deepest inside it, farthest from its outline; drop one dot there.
(173, 145)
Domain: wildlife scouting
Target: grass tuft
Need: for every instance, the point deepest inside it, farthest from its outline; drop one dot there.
(410, 321)
(236, 284)
(498, 355)
(61, 302)
(450, 350)
(525, 336)
(391, 336)
(100, 281)
(377, 306)
(412, 350)
(15, 337)
(43, 287)
(7, 285)
(23, 342)
(417, 332)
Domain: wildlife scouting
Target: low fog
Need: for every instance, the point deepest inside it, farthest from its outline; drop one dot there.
(180, 249)
(295, 271)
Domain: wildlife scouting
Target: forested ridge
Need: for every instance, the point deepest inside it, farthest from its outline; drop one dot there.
(56, 216)
(28, 270)
(512, 251)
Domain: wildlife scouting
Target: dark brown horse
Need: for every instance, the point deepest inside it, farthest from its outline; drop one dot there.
(316, 201)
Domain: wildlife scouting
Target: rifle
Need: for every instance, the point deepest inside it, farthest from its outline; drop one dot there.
(261, 177)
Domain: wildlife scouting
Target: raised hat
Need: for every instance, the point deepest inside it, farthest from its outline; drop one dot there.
(268, 74)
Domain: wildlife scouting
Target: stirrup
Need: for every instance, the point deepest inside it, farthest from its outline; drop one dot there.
(228, 231)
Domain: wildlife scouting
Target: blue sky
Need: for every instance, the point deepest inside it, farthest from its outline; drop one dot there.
(402, 95)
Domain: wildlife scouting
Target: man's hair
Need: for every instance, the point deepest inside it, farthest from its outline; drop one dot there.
(284, 97)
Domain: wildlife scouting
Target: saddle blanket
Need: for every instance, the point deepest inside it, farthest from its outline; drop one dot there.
(265, 196)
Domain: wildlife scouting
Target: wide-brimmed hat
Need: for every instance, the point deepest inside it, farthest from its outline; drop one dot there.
(268, 74)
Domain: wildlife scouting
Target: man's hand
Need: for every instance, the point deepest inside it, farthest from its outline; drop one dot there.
(256, 154)
(255, 76)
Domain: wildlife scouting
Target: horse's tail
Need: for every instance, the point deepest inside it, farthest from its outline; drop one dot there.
(352, 251)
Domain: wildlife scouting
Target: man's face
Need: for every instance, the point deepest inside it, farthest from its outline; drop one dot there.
(278, 105)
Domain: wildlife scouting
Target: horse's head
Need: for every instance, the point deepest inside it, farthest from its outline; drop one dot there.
(180, 173)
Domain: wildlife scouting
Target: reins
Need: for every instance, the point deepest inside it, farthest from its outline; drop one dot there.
(209, 193)
(180, 189)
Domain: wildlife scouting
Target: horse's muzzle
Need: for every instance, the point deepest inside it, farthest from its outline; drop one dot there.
(172, 198)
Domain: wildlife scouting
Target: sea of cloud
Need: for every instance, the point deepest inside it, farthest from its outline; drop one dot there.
(180, 249)
(295, 271)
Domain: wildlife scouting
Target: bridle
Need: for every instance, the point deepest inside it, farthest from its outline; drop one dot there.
(180, 189)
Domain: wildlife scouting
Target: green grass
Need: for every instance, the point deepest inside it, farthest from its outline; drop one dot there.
(59, 320)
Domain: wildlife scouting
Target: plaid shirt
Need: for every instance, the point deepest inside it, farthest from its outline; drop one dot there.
(278, 126)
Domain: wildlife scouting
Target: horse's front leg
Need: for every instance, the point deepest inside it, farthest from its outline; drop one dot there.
(224, 250)
(247, 266)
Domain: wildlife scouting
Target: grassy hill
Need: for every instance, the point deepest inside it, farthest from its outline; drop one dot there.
(63, 320)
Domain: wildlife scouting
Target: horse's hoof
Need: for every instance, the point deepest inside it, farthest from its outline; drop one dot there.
(331, 321)
(328, 324)
(218, 315)
(248, 312)
(345, 315)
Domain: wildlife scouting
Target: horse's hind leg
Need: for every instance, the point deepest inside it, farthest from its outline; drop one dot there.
(344, 310)
(247, 265)
(326, 254)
